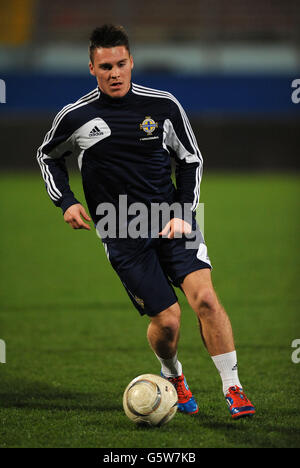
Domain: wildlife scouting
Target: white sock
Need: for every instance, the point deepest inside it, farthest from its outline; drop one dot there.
(170, 367)
(227, 367)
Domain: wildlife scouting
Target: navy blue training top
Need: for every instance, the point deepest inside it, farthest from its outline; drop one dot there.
(124, 146)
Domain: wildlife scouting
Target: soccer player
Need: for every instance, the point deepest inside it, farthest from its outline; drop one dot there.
(125, 136)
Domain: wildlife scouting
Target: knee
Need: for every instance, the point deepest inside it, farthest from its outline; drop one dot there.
(168, 321)
(170, 327)
(206, 304)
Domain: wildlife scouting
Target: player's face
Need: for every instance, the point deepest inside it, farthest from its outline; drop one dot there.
(112, 69)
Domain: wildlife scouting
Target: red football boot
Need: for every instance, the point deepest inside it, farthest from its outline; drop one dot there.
(238, 403)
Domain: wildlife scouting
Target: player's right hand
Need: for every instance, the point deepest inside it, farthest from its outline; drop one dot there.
(73, 216)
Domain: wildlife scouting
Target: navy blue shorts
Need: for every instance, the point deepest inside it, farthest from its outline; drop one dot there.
(149, 268)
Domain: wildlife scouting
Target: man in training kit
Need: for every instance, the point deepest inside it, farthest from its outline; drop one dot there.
(124, 136)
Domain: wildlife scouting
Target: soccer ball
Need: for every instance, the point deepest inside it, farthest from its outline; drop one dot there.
(150, 399)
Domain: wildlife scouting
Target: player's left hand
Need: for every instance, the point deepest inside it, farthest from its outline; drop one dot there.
(175, 228)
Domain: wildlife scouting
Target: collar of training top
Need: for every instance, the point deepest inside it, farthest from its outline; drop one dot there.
(118, 101)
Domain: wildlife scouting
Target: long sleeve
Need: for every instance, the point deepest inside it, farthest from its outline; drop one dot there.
(180, 138)
(57, 144)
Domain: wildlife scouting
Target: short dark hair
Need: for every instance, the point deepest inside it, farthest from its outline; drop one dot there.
(108, 35)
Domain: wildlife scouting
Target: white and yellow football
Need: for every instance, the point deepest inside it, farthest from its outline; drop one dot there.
(150, 399)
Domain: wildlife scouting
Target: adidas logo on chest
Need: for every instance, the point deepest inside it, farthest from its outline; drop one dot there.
(90, 134)
(95, 132)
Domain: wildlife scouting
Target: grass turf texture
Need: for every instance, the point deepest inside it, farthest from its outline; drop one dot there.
(74, 341)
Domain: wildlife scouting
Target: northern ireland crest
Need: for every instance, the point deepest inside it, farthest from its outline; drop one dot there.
(148, 125)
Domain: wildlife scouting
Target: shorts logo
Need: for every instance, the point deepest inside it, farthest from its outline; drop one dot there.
(139, 301)
(148, 125)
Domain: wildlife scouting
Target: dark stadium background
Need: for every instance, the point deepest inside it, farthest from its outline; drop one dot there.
(230, 64)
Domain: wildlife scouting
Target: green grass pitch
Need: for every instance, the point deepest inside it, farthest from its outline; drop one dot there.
(74, 341)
